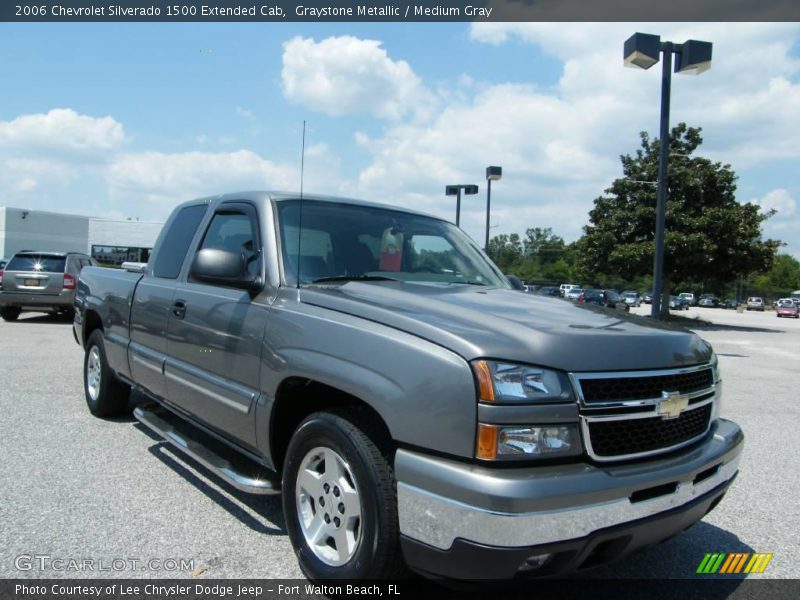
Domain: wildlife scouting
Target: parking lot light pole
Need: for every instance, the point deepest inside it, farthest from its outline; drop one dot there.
(642, 51)
(492, 174)
(455, 190)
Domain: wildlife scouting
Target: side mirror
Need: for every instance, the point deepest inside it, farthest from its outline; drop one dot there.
(223, 267)
(515, 283)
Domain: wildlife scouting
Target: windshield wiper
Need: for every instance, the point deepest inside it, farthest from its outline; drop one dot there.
(346, 278)
(468, 282)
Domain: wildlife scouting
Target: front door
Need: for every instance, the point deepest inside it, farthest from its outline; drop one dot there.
(215, 334)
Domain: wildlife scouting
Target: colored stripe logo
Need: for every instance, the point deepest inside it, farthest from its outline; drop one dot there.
(733, 563)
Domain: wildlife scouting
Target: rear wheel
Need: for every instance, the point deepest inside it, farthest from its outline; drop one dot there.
(10, 313)
(106, 395)
(339, 500)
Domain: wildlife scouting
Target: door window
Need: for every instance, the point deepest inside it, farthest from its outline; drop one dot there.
(235, 231)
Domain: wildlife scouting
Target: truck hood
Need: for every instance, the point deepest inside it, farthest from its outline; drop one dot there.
(509, 325)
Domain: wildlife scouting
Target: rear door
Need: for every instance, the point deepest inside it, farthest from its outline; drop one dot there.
(35, 273)
(215, 333)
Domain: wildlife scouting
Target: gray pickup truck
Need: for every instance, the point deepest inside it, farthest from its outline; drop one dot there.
(373, 366)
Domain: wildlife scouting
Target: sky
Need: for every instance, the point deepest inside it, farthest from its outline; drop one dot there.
(128, 120)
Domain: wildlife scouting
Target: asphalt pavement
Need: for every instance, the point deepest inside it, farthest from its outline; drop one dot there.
(74, 488)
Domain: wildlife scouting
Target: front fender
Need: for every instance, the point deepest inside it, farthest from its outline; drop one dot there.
(424, 393)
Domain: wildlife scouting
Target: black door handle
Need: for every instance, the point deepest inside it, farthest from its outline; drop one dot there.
(179, 309)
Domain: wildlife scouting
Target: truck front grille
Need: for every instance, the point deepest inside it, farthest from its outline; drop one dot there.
(643, 388)
(625, 415)
(637, 436)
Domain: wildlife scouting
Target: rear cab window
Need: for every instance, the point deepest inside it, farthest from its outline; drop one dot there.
(175, 244)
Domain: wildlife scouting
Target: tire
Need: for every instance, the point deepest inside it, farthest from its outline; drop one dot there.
(106, 395)
(10, 313)
(329, 459)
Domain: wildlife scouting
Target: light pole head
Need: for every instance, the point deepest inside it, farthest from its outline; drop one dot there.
(694, 57)
(470, 190)
(451, 190)
(494, 173)
(642, 50)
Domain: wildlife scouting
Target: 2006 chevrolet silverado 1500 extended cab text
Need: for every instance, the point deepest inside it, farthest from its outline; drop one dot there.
(373, 366)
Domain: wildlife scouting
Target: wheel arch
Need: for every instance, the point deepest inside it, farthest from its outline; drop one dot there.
(298, 397)
(91, 321)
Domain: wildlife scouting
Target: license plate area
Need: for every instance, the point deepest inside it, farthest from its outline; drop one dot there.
(32, 282)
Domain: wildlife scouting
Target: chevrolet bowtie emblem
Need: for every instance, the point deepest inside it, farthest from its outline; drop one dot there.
(671, 404)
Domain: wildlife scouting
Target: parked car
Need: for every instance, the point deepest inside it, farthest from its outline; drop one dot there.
(690, 298)
(565, 287)
(729, 303)
(708, 301)
(647, 297)
(631, 298)
(40, 282)
(397, 404)
(606, 298)
(755, 303)
(678, 303)
(787, 308)
(548, 290)
(574, 294)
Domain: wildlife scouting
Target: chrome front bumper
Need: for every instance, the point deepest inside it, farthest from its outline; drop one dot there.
(441, 501)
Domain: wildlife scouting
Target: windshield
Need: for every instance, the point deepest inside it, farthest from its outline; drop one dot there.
(349, 241)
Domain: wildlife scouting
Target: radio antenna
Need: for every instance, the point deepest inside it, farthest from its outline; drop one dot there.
(300, 219)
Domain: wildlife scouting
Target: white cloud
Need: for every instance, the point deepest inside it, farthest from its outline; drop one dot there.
(750, 93)
(347, 75)
(779, 200)
(169, 178)
(164, 179)
(559, 146)
(245, 113)
(45, 157)
(61, 132)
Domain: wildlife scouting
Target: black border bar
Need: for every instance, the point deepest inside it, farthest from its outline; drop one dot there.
(430, 11)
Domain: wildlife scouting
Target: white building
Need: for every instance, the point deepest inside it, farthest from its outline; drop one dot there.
(107, 240)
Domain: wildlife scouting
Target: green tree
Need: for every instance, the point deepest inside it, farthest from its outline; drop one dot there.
(783, 276)
(543, 244)
(506, 251)
(709, 235)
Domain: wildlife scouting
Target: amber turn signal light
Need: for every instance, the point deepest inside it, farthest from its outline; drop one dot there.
(484, 376)
(486, 446)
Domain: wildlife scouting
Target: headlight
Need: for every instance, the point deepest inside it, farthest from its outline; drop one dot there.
(527, 441)
(511, 383)
(715, 367)
(717, 410)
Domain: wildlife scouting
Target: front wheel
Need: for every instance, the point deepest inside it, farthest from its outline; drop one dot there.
(339, 500)
(106, 395)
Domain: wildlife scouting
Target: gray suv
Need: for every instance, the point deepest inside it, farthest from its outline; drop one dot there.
(40, 281)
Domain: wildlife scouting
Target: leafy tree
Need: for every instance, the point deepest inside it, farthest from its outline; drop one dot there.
(506, 251)
(783, 276)
(539, 255)
(709, 235)
(543, 244)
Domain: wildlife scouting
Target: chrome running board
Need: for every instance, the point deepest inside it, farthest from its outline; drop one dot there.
(237, 470)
